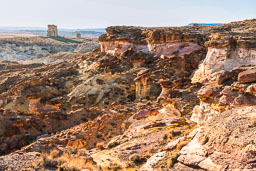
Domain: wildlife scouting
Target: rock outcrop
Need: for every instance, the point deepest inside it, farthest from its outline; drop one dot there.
(157, 41)
(226, 52)
(52, 31)
(247, 76)
(143, 84)
(226, 142)
(78, 35)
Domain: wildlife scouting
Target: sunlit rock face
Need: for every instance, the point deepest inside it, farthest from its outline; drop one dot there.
(225, 53)
(167, 49)
(118, 47)
(101, 90)
(157, 41)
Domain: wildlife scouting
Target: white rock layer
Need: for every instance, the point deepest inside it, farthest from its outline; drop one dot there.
(167, 49)
(202, 113)
(218, 59)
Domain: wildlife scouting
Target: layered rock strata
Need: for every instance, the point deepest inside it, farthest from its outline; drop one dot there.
(156, 41)
(226, 52)
(140, 108)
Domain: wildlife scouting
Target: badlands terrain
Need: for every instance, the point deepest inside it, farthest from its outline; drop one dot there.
(172, 98)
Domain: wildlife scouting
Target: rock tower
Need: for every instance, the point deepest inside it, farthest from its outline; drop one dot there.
(143, 84)
(52, 31)
(78, 35)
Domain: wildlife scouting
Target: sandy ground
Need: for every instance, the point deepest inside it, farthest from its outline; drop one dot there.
(11, 35)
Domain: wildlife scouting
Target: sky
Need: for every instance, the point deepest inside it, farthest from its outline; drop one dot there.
(74, 14)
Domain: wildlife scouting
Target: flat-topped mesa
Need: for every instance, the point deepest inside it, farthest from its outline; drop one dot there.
(225, 52)
(52, 31)
(155, 41)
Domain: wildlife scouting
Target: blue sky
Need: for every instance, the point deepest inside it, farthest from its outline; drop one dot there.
(102, 13)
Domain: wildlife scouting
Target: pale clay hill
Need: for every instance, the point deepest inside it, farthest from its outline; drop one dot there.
(177, 98)
(39, 49)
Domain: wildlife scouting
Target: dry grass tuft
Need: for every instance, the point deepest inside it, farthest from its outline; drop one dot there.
(66, 161)
(183, 143)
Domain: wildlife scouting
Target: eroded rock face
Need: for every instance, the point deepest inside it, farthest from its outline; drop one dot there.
(247, 76)
(167, 49)
(223, 94)
(225, 53)
(102, 90)
(202, 113)
(166, 90)
(179, 50)
(227, 141)
(16, 132)
(153, 41)
(143, 84)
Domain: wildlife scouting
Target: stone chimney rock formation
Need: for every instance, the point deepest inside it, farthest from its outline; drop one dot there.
(78, 35)
(52, 31)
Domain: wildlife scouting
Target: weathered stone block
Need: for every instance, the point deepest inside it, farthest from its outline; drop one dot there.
(52, 31)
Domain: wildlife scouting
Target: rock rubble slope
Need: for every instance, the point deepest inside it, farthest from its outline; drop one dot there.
(177, 98)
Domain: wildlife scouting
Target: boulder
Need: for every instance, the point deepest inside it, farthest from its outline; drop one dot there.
(248, 76)
(142, 114)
